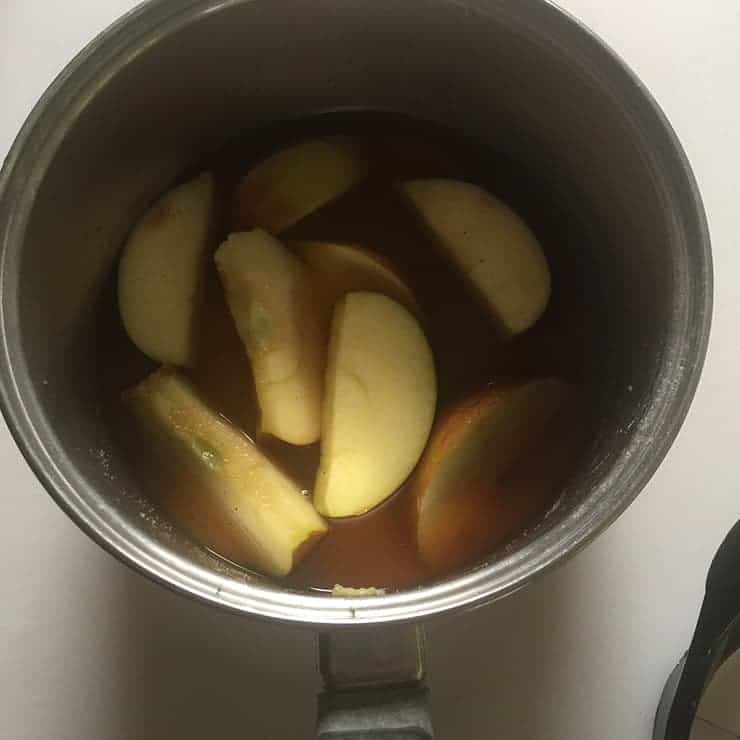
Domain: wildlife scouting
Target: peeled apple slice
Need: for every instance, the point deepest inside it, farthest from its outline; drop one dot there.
(346, 268)
(280, 320)
(472, 446)
(379, 404)
(160, 270)
(490, 244)
(286, 187)
(275, 522)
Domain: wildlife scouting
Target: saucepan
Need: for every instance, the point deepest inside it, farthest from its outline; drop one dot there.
(174, 80)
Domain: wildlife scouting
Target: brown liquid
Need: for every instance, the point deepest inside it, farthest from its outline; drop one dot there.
(379, 548)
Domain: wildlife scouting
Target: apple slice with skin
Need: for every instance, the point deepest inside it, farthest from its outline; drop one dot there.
(346, 268)
(233, 479)
(379, 403)
(490, 244)
(280, 321)
(475, 444)
(287, 186)
(160, 271)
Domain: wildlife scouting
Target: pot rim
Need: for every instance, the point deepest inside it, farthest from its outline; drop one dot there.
(23, 170)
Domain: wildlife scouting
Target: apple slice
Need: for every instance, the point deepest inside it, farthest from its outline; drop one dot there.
(351, 592)
(472, 446)
(280, 321)
(490, 244)
(286, 187)
(345, 268)
(379, 404)
(160, 271)
(233, 479)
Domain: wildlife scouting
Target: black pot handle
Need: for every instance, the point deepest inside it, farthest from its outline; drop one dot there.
(717, 636)
(374, 685)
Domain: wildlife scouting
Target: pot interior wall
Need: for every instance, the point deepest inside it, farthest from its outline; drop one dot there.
(576, 142)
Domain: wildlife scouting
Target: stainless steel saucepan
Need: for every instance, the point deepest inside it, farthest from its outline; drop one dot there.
(175, 79)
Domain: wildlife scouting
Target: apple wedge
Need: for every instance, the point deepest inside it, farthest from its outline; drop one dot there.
(379, 403)
(345, 268)
(233, 479)
(160, 270)
(280, 320)
(472, 446)
(490, 245)
(286, 187)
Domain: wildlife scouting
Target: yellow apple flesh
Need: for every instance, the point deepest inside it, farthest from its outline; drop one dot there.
(286, 187)
(233, 479)
(346, 268)
(475, 444)
(490, 245)
(379, 403)
(279, 318)
(350, 592)
(160, 272)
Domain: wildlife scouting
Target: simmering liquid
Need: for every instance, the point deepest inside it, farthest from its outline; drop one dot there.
(379, 548)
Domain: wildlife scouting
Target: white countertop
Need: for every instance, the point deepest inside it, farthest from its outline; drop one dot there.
(89, 650)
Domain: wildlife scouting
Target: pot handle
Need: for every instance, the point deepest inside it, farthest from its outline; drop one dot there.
(374, 685)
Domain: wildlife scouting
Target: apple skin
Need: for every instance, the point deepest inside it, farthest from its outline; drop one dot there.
(280, 320)
(472, 448)
(491, 246)
(349, 268)
(160, 271)
(379, 404)
(292, 183)
(224, 476)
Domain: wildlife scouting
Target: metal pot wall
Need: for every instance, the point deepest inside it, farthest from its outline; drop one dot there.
(174, 80)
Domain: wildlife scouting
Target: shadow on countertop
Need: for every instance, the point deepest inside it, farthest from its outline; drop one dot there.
(190, 672)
